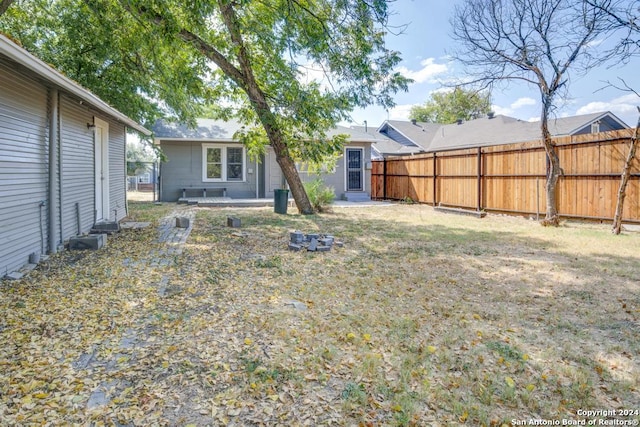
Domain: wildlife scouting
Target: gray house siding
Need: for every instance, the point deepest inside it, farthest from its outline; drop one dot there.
(398, 137)
(77, 171)
(23, 168)
(117, 162)
(31, 95)
(184, 168)
(338, 178)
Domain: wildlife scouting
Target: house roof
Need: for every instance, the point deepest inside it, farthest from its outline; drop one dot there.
(385, 145)
(485, 131)
(56, 79)
(206, 129)
(224, 130)
(419, 133)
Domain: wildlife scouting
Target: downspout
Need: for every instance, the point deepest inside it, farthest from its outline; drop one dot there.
(53, 162)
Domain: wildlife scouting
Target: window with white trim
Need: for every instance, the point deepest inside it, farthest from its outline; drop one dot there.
(223, 162)
(144, 178)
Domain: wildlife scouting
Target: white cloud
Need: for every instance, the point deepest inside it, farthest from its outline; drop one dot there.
(522, 102)
(400, 112)
(534, 119)
(428, 73)
(516, 105)
(622, 106)
(505, 111)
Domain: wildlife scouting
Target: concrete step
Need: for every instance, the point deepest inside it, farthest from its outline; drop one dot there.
(352, 196)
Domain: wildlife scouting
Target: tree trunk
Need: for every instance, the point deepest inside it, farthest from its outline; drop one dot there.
(267, 118)
(553, 171)
(4, 5)
(245, 78)
(624, 179)
(287, 165)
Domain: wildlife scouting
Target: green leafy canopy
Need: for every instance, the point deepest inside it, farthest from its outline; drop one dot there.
(129, 53)
(448, 107)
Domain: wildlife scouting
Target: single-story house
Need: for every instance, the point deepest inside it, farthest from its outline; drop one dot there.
(412, 137)
(208, 161)
(62, 158)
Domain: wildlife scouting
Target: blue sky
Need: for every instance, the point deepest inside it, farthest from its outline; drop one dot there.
(424, 44)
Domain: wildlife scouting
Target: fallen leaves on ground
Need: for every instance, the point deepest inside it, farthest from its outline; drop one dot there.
(421, 318)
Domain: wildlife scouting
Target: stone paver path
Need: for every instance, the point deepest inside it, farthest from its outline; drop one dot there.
(174, 239)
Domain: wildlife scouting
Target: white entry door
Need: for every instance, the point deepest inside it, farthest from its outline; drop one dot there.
(101, 150)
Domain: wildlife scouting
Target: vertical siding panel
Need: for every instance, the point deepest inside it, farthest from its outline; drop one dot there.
(117, 171)
(23, 168)
(77, 167)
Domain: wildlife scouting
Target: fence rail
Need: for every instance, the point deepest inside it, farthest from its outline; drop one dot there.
(511, 178)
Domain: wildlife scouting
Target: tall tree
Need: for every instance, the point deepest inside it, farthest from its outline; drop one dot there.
(533, 41)
(447, 107)
(623, 20)
(4, 5)
(254, 57)
(111, 53)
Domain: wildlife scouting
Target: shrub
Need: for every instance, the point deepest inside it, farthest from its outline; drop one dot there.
(320, 196)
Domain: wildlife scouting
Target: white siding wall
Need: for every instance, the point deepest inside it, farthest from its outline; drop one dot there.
(23, 168)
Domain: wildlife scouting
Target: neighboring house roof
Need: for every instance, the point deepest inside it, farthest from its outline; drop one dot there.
(385, 145)
(485, 131)
(419, 134)
(53, 77)
(224, 130)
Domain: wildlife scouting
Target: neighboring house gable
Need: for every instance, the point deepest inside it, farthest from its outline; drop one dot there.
(62, 153)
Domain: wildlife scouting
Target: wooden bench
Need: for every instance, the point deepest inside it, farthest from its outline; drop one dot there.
(203, 191)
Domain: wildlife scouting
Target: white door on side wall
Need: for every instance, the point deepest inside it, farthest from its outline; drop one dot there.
(101, 151)
(274, 173)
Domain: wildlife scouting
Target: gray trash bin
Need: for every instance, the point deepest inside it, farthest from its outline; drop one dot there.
(280, 201)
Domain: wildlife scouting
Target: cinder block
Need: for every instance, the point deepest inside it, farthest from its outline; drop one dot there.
(296, 237)
(294, 247)
(323, 248)
(34, 257)
(182, 222)
(233, 222)
(312, 236)
(326, 241)
(14, 275)
(313, 245)
(93, 241)
(105, 227)
(338, 243)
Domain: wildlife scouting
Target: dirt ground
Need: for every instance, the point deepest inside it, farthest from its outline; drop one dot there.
(420, 318)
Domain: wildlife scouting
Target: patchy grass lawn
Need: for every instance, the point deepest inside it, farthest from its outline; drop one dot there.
(421, 318)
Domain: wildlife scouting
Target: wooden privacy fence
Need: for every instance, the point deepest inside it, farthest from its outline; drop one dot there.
(511, 178)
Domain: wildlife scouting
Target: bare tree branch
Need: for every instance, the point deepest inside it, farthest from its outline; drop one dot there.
(535, 41)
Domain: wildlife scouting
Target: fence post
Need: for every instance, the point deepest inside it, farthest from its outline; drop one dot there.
(384, 178)
(435, 178)
(479, 179)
